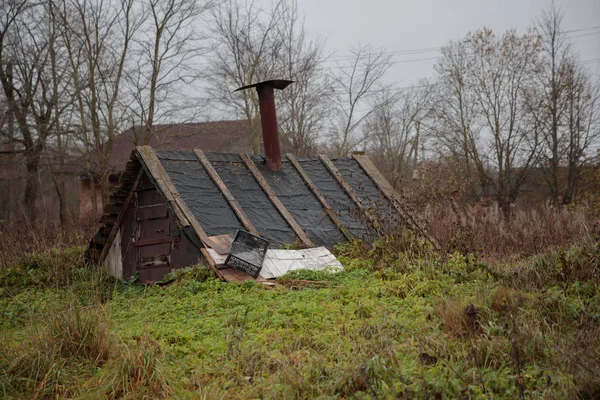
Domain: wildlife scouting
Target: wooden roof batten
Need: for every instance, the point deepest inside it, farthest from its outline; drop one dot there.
(393, 197)
(332, 215)
(233, 203)
(348, 189)
(276, 202)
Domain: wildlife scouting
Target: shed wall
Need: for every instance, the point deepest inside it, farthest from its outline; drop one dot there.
(150, 241)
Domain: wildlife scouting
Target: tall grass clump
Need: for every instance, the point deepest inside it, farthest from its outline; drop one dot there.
(80, 332)
(31, 369)
(137, 372)
(53, 267)
(51, 356)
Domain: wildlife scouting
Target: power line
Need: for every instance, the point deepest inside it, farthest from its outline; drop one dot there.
(394, 53)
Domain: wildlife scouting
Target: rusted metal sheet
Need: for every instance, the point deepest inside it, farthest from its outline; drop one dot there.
(151, 275)
(276, 202)
(152, 250)
(393, 197)
(239, 212)
(154, 228)
(332, 215)
(157, 261)
(184, 253)
(149, 197)
(347, 188)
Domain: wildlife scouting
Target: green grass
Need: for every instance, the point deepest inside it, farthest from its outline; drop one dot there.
(404, 323)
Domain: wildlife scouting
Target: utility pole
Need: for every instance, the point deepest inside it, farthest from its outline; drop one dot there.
(416, 149)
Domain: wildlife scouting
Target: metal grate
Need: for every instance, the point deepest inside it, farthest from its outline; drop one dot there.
(247, 253)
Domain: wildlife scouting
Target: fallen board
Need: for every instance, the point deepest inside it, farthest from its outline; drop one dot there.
(280, 262)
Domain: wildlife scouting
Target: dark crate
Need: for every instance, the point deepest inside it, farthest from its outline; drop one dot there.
(247, 253)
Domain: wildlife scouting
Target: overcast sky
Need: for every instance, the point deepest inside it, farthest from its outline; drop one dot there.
(399, 25)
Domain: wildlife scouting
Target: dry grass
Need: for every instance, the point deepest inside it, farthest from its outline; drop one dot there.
(483, 230)
(24, 237)
(137, 372)
(458, 319)
(79, 332)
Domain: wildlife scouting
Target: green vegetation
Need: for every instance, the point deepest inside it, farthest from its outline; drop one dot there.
(400, 322)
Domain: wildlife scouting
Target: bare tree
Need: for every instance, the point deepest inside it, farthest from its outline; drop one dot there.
(393, 130)
(30, 82)
(484, 81)
(355, 86)
(97, 38)
(458, 128)
(563, 104)
(582, 120)
(304, 106)
(166, 53)
(247, 45)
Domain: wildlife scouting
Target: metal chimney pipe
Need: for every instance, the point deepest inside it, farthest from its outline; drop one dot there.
(268, 119)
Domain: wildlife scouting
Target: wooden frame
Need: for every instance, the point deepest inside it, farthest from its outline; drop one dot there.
(348, 189)
(332, 215)
(233, 203)
(167, 188)
(276, 202)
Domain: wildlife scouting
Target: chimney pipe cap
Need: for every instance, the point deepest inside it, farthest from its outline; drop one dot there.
(275, 83)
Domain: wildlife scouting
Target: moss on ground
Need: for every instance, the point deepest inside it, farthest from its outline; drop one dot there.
(401, 323)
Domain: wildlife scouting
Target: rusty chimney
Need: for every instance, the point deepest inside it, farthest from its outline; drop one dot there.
(268, 119)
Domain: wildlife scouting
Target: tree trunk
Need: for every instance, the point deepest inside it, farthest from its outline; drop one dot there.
(31, 184)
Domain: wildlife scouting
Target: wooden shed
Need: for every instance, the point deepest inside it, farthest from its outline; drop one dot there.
(169, 203)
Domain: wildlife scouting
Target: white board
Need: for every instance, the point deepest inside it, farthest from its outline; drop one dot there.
(280, 262)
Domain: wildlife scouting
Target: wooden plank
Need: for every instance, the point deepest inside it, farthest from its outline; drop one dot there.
(393, 197)
(235, 206)
(150, 242)
(348, 189)
(146, 213)
(120, 217)
(276, 202)
(221, 243)
(183, 213)
(332, 215)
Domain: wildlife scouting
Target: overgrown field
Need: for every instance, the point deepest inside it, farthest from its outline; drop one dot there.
(400, 322)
